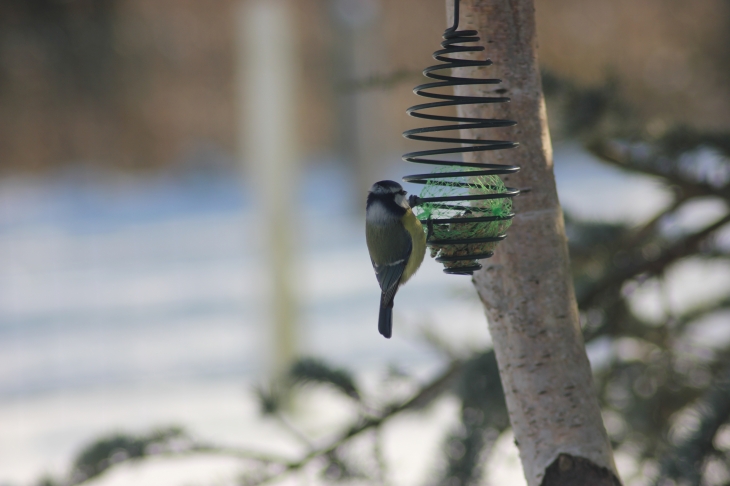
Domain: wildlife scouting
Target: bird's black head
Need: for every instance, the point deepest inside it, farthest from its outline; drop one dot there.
(386, 187)
(391, 194)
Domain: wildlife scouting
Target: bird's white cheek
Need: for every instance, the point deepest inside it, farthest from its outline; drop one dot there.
(378, 215)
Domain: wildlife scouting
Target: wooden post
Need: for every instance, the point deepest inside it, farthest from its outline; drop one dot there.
(268, 76)
(526, 287)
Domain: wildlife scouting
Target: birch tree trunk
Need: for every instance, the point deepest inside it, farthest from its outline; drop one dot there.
(526, 287)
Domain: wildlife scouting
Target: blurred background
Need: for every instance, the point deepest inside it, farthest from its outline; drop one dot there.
(182, 191)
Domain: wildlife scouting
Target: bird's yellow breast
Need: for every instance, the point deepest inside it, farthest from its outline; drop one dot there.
(415, 229)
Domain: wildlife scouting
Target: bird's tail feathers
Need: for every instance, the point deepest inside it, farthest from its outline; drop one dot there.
(385, 318)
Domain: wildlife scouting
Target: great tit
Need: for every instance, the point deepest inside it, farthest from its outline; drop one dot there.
(396, 242)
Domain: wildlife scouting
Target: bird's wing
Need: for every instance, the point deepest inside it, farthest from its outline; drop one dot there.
(389, 295)
(391, 261)
(389, 274)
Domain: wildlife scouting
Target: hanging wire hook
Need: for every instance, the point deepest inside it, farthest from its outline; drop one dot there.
(456, 17)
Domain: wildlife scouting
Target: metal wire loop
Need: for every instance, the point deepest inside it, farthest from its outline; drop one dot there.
(452, 44)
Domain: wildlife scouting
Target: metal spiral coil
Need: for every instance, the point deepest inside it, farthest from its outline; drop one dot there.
(450, 45)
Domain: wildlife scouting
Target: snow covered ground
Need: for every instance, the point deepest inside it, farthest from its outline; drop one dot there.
(129, 303)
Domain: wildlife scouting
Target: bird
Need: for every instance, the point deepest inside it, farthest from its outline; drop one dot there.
(396, 243)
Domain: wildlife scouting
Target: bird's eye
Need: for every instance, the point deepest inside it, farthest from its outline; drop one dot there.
(402, 193)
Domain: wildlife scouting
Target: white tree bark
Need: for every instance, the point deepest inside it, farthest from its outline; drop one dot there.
(526, 287)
